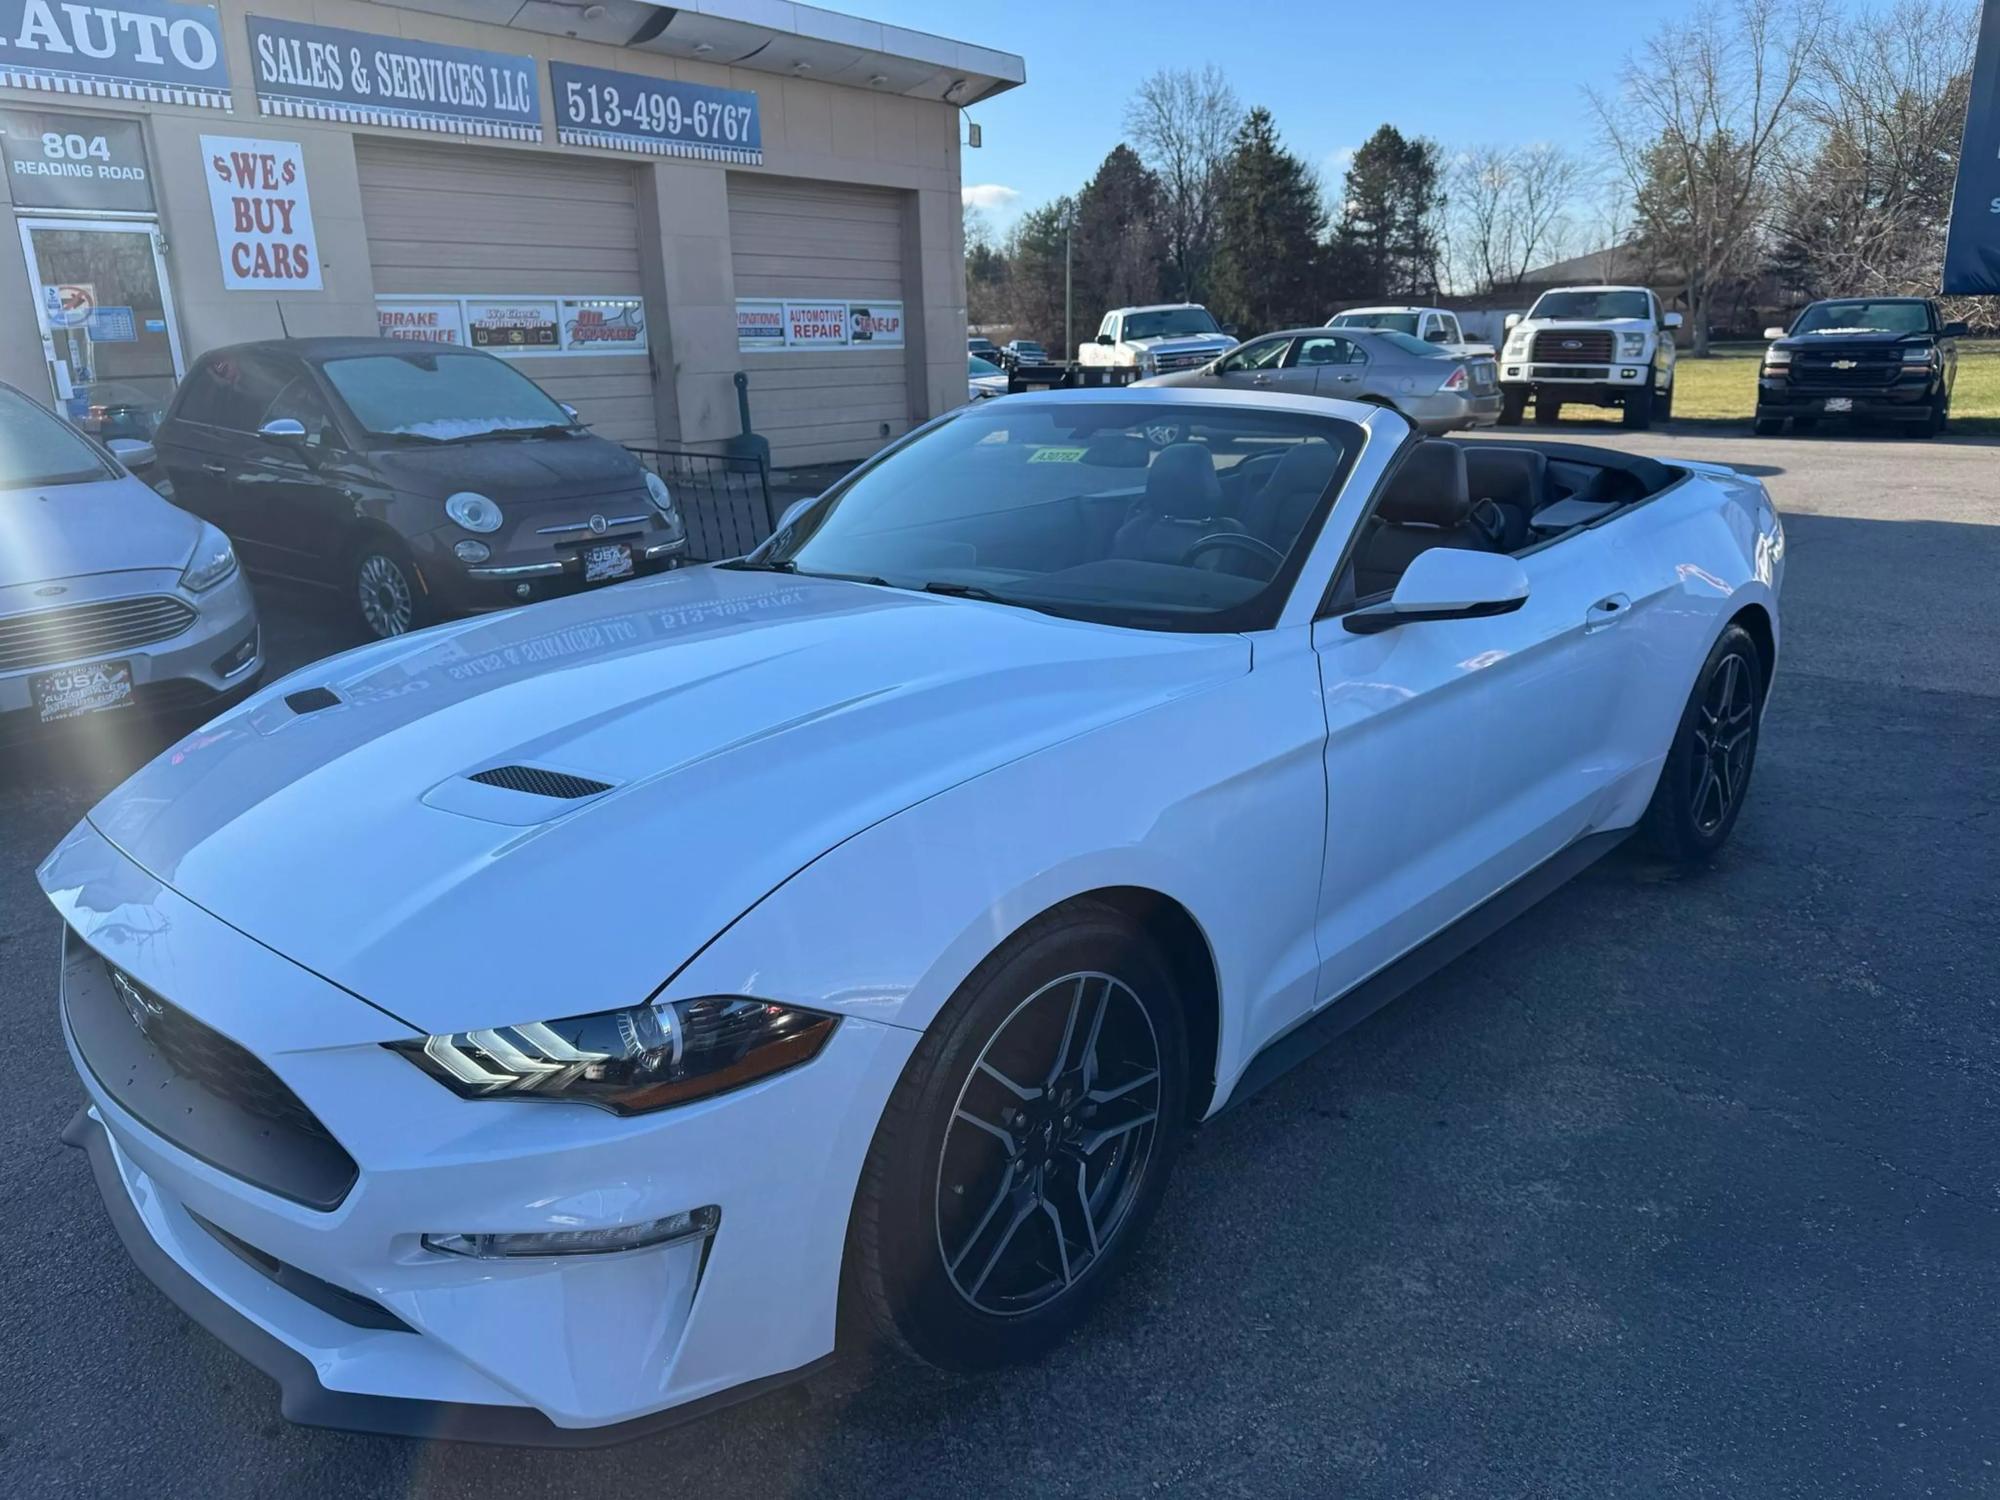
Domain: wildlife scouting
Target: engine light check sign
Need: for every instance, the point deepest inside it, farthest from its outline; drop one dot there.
(631, 112)
(143, 49)
(325, 73)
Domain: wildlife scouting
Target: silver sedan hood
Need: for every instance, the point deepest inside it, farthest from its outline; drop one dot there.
(63, 531)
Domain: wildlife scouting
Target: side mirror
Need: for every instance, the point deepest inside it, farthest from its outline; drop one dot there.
(1671, 320)
(1956, 330)
(288, 431)
(133, 453)
(1774, 332)
(1512, 319)
(1229, 330)
(1447, 583)
(1105, 338)
(570, 411)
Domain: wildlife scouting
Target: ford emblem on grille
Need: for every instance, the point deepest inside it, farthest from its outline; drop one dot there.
(142, 1007)
(599, 525)
(1572, 343)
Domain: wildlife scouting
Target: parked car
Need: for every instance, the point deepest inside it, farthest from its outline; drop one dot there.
(1156, 340)
(983, 379)
(1434, 325)
(1017, 352)
(1890, 358)
(110, 597)
(420, 482)
(1604, 345)
(864, 924)
(1437, 390)
(981, 347)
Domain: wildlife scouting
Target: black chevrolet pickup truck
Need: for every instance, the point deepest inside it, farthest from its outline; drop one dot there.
(1890, 358)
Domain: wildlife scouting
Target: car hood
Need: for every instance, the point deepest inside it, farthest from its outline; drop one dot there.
(1587, 325)
(106, 526)
(1184, 343)
(1871, 339)
(520, 470)
(745, 723)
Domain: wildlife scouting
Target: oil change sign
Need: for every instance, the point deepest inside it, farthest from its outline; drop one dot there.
(263, 214)
(325, 73)
(141, 49)
(66, 161)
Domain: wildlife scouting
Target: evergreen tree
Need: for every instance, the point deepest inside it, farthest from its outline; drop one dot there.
(1270, 226)
(1035, 273)
(1119, 246)
(1388, 224)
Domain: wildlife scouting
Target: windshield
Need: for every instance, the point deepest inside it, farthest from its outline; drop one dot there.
(1864, 317)
(1409, 345)
(1170, 517)
(443, 397)
(1398, 322)
(37, 450)
(975, 366)
(1592, 306)
(1169, 323)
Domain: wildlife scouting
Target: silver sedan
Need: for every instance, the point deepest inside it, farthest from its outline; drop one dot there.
(109, 596)
(1438, 391)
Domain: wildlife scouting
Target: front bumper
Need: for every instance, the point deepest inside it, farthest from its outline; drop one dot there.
(1448, 411)
(561, 1349)
(199, 664)
(523, 576)
(1907, 400)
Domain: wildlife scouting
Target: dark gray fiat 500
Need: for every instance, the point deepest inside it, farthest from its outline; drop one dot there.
(421, 482)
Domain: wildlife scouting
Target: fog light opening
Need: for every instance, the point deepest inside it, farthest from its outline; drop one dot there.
(651, 1234)
(472, 552)
(1628, 374)
(524, 591)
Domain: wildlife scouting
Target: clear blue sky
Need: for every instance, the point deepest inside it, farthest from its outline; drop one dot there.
(1329, 72)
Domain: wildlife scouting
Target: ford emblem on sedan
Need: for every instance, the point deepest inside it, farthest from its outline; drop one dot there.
(598, 525)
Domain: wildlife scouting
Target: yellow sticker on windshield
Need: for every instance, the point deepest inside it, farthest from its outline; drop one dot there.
(1057, 456)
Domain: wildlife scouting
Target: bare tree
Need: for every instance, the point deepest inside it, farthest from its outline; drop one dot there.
(1510, 208)
(1184, 124)
(1703, 112)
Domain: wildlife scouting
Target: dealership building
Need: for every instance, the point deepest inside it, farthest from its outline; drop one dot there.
(633, 202)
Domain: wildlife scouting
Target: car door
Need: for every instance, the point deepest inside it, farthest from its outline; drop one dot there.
(1331, 364)
(289, 492)
(1256, 365)
(1461, 754)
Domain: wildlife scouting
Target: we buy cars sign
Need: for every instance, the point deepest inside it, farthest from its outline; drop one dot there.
(263, 214)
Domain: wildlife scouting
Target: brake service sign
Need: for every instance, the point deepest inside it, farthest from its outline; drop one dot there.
(1972, 252)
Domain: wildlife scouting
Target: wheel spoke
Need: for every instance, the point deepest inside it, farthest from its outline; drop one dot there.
(1025, 1095)
(1710, 782)
(1094, 1140)
(1023, 1208)
(986, 1219)
(1106, 1096)
(1062, 1240)
(1069, 1030)
(999, 1132)
(1081, 1187)
(1088, 1061)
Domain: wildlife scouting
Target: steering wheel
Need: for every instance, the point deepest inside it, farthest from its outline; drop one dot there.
(1219, 541)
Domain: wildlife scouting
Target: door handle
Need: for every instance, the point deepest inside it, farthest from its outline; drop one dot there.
(1607, 612)
(1347, 379)
(1260, 380)
(214, 468)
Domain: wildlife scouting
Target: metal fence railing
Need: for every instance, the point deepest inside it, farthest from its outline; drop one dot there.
(724, 500)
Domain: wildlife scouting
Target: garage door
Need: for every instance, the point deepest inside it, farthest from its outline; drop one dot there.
(804, 240)
(455, 222)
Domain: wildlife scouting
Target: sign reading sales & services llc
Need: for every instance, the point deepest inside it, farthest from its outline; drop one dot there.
(263, 214)
(327, 73)
(155, 50)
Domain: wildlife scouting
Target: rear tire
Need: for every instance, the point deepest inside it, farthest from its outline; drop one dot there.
(1547, 412)
(387, 590)
(1707, 772)
(1933, 422)
(1768, 426)
(1513, 404)
(1804, 424)
(1664, 409)
(981, 1241)
(1637, 412)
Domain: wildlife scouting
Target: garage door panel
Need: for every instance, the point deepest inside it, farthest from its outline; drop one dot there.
(460, 221)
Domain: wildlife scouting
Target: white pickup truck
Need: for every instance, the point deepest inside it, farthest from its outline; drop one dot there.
(1434, 325)
(1156, 340)
(1601, 345)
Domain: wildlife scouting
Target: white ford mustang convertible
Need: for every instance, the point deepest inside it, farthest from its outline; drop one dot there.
(543, 1027)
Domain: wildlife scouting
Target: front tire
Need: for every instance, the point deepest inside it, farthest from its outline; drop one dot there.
(1513, 404)
(1547, 412)
(1707, 772)
(387, 591)
(1025, 1147)
(1768, 426)
(1638, 410)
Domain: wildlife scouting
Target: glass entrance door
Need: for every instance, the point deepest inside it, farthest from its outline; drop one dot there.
(107, 322)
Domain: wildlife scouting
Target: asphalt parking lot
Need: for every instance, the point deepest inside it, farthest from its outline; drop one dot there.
(1681, 1186)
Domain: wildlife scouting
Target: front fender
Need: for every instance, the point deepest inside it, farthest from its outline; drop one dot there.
(1216, 801)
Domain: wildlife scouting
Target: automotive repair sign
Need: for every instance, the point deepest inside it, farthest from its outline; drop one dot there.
(1972, 253)
(263, 214)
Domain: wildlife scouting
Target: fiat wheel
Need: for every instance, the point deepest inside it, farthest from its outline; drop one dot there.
(387, 590)
(1025, 1147)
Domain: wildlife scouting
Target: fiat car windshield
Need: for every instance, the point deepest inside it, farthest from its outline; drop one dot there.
(1169, 517)
(442, 397)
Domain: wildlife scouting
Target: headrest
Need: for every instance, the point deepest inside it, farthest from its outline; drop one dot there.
(1306, 468)
(1516, 476)
(1429, 488)
(1118, 450)
(1182, 482)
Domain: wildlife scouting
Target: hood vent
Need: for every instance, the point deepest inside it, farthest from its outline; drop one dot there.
(311, 700)
(537, 782)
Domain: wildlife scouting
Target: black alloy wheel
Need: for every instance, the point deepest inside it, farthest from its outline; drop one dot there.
(1025, 1147)
(1707, 772)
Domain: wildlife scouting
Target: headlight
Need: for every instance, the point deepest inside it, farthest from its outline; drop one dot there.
(473, 511)
(1148, 361)
(1517, 347)
(663, 502)
(213, 561)
(1774, 358)
(627, 1061)
(1631, 345)
(1921, 359)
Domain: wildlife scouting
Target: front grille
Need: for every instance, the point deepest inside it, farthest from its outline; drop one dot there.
(75, 632)
(1167, 363)
(537, 782)
(208, 1058)
(1571, 372)
(1860, 368)
(1577, 346)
